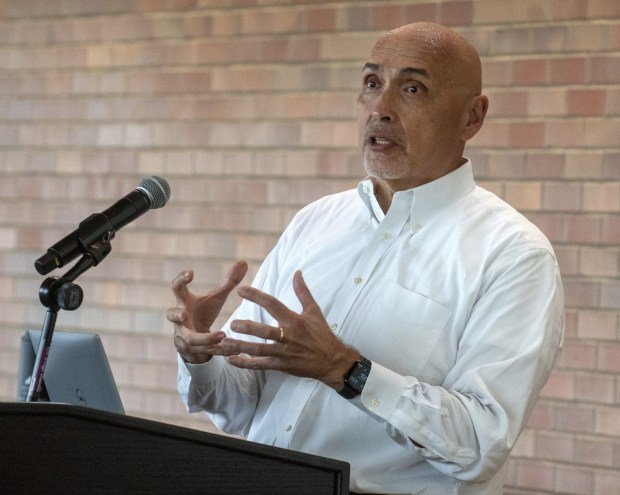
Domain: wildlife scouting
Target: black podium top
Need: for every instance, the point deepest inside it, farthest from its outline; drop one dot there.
(56, 448)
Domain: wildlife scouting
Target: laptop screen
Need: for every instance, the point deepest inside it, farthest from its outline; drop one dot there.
(77, 371)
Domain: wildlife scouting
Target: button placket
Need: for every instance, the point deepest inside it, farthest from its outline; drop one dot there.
(380, 241)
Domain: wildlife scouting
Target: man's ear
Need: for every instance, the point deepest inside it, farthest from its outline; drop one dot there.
(477, 111)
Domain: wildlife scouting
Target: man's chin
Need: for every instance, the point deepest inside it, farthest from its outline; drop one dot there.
(382, 169)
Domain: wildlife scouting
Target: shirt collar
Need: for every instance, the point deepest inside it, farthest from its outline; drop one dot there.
(426, 200)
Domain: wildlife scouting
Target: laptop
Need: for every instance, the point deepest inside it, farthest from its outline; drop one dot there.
(77, 371)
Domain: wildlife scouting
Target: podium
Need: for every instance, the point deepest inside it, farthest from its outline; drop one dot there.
(57, 448)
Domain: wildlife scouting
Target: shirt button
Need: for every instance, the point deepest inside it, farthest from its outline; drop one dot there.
(375, 403)
(357, 280)
(333, 326)
(417, 227)
(385, 236)
(288, 428)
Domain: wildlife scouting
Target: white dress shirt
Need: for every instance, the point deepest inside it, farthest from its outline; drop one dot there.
(455, 298)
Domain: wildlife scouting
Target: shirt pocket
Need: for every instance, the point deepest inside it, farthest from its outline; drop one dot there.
(414, 324)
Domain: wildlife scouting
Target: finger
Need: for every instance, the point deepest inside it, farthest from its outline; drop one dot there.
(190, 339)
(302, 292)
(176, 315)
(234, 346)
(254, 363)
(234, 276)
(196, 347)
(179, 285)
(274, 307)
(260, 330)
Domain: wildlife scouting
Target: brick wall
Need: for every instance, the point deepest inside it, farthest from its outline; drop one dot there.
(247, 108)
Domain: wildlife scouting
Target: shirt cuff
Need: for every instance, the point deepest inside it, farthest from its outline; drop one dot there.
(382, 391)
(203, 373)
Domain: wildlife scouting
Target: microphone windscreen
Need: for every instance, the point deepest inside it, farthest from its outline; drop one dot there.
(157, 189)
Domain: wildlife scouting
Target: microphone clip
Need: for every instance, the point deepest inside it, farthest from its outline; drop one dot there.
(60, 292)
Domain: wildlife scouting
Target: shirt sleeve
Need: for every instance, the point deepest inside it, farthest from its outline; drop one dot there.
(469, 424)
(229, 395)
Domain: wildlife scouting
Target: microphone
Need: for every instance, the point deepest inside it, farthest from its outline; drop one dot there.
(152, 192)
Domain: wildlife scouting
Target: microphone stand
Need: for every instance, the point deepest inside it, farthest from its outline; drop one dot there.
(58, 293)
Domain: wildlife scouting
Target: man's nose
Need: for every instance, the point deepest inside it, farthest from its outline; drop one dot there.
(384, 107)
(382, 117)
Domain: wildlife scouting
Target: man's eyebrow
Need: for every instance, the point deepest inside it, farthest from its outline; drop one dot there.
(413, 70)
(372, 67)
(402, 72)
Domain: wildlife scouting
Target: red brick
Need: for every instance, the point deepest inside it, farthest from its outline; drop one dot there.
(524, 196)
(568, 70)
(574, 480)
(603, 70)
(420, 12)
(603, 8)
(555, 446)
(543, 415)
(608, 421)
(562, 197)
(597, 388)
(459, 13)
(576, 418)
(569, 9)
(604, 197)
(561, 385)
(597, 324)
(530, 72)
(535, 475)
(577, 355)
(320, 19)
(602, 133)
(565, 133)
(504, 11)
(610, 294)
(580, 293)
(547, 165)
(600, 262)
(584, 165)
(508, 103)
(496, 72)
(606, 481)
(609, 357)
(586, 101)
(544, 101)
(611, 229)
(568, 259)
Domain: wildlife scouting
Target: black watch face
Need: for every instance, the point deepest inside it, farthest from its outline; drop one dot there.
(358, 376)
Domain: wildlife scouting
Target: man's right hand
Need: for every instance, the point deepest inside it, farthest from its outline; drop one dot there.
(194, 315)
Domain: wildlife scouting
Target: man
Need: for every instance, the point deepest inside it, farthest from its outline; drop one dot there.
(406, 327)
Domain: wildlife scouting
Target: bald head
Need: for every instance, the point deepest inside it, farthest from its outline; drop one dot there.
(450, 56)
(420, 102)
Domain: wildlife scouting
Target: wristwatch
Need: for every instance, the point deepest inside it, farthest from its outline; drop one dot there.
(355, 379)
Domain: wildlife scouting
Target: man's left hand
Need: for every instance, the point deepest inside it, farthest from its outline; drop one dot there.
(303, 343)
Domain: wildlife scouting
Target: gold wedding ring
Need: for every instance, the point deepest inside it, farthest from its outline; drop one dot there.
(281, 335)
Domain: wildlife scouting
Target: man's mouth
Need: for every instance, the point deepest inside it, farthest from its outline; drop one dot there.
(379, 141)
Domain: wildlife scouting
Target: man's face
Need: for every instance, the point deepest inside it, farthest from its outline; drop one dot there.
(412, 112)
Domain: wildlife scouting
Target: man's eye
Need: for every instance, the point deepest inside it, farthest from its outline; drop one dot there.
(371, 84)
(412, 89)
